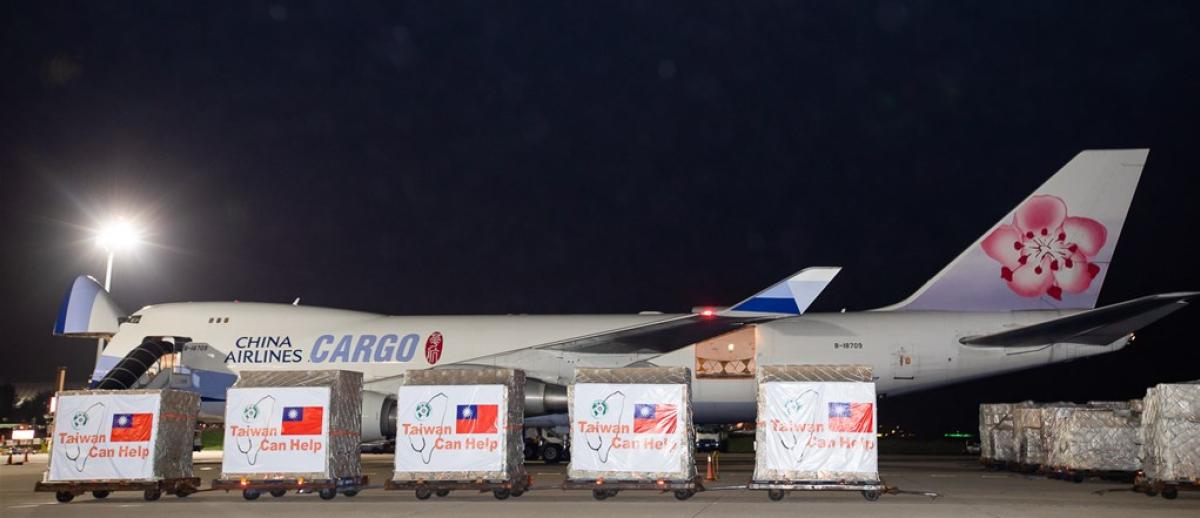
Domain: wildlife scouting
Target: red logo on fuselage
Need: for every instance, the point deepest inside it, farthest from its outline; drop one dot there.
(433, 347)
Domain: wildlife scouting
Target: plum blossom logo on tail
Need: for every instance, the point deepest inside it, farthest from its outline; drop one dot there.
(433, 347)
(1044, 251)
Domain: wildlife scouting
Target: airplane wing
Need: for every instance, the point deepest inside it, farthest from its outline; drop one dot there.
(1100, 326)
(787, 298)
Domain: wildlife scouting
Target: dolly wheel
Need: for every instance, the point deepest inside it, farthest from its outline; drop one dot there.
(151, 495)
(501, 494)
(327, 493)
(100, 494)
(1151, 493)
(64, 496)
(683, 494)
(598, 494)
(517, 492)
(423, 493)
(443, 492)
(871, 495)
(1170, 493)
(182, 492)
(350, 492)
(775, 494)
(250, 494)
(277, 493)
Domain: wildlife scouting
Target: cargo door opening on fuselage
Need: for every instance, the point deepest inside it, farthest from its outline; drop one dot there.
(728, 356)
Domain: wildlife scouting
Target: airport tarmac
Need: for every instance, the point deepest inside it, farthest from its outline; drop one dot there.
(966, 489)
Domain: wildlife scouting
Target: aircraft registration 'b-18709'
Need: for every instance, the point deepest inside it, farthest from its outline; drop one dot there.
(1022, 295)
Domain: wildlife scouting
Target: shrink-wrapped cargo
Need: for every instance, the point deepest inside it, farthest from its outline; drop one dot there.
(285, 425)
(461, 425)
(1171, 432)
(632, 424)
(1097, 438)
(816, 425)
(996, 432)
(122, 435)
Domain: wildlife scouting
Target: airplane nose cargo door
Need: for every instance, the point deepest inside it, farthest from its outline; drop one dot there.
(904, 362)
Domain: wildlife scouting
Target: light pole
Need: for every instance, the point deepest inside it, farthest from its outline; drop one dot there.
(119, 234)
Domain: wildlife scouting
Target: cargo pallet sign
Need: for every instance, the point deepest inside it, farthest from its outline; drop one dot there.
(629, 428)
(104, 437)
(818, 427)
(276, 430)
(451, 428)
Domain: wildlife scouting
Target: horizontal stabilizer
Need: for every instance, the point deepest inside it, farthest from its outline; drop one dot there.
(1101, 326)
(791, 296)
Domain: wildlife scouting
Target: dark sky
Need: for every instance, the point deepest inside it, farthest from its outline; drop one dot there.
(575, 157)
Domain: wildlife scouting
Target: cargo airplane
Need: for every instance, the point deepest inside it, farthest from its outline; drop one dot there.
(1022, 295)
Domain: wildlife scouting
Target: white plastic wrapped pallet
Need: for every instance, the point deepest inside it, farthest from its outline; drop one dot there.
(996, 432)
(816, 423)
(1102, 437)
(1171, 432)
(460, 425)
(122, 435)
(293, 424)
(632, 424)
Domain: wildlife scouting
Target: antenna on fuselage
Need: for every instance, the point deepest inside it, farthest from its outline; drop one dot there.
(296, 302)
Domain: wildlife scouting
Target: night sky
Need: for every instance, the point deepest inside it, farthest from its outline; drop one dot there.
(576, 157)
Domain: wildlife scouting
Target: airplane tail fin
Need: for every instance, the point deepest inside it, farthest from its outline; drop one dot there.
(791, 296)
(1052, 251)
(87, 311)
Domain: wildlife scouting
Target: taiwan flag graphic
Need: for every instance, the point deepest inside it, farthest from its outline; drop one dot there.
(649, 418)
(131, 427)
(852, 417)
(302, 420)
(476, 419)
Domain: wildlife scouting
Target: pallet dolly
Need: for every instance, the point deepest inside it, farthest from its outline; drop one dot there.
(151, 489)
(327, 489)
(603, 489)
(501, 489)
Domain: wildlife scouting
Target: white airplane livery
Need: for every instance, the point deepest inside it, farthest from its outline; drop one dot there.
(1022, 295)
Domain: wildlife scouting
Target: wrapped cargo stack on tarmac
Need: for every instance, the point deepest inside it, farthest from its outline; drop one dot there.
(631, 428)
(816, 430)
(122, 440)
(1034, 425)
(996, 445)
(461, 429)
(1098, 440)
(1171, 435)
(296, 430)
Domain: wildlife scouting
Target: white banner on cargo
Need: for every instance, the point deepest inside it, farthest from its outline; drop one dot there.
(451, 428)
(104, 437)
(628, 427)
(276, 430)
(819, 427)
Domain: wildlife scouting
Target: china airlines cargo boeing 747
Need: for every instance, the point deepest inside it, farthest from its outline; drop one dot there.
(1022, 295)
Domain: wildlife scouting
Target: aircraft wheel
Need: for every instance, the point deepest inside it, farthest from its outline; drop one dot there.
(100, 494)
(423, 493)
(250, 494)
(277, 493)
(64, 496)
(775, 494)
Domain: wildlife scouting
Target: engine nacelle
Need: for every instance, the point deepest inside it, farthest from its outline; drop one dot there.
(378, 416)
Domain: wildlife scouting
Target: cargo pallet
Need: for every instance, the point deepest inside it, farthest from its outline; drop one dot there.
(501, 489)
(1079, 475)
(327, 489)
(1169, 489)
(777, 489)
(151, 489)
(603, 489)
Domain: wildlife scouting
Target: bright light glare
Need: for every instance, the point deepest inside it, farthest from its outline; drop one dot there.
(118, 235)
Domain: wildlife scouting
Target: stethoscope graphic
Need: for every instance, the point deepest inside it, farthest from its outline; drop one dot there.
(249, 451)
(795, 440)
(80, 466)
(598, 447)
(425, 452)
